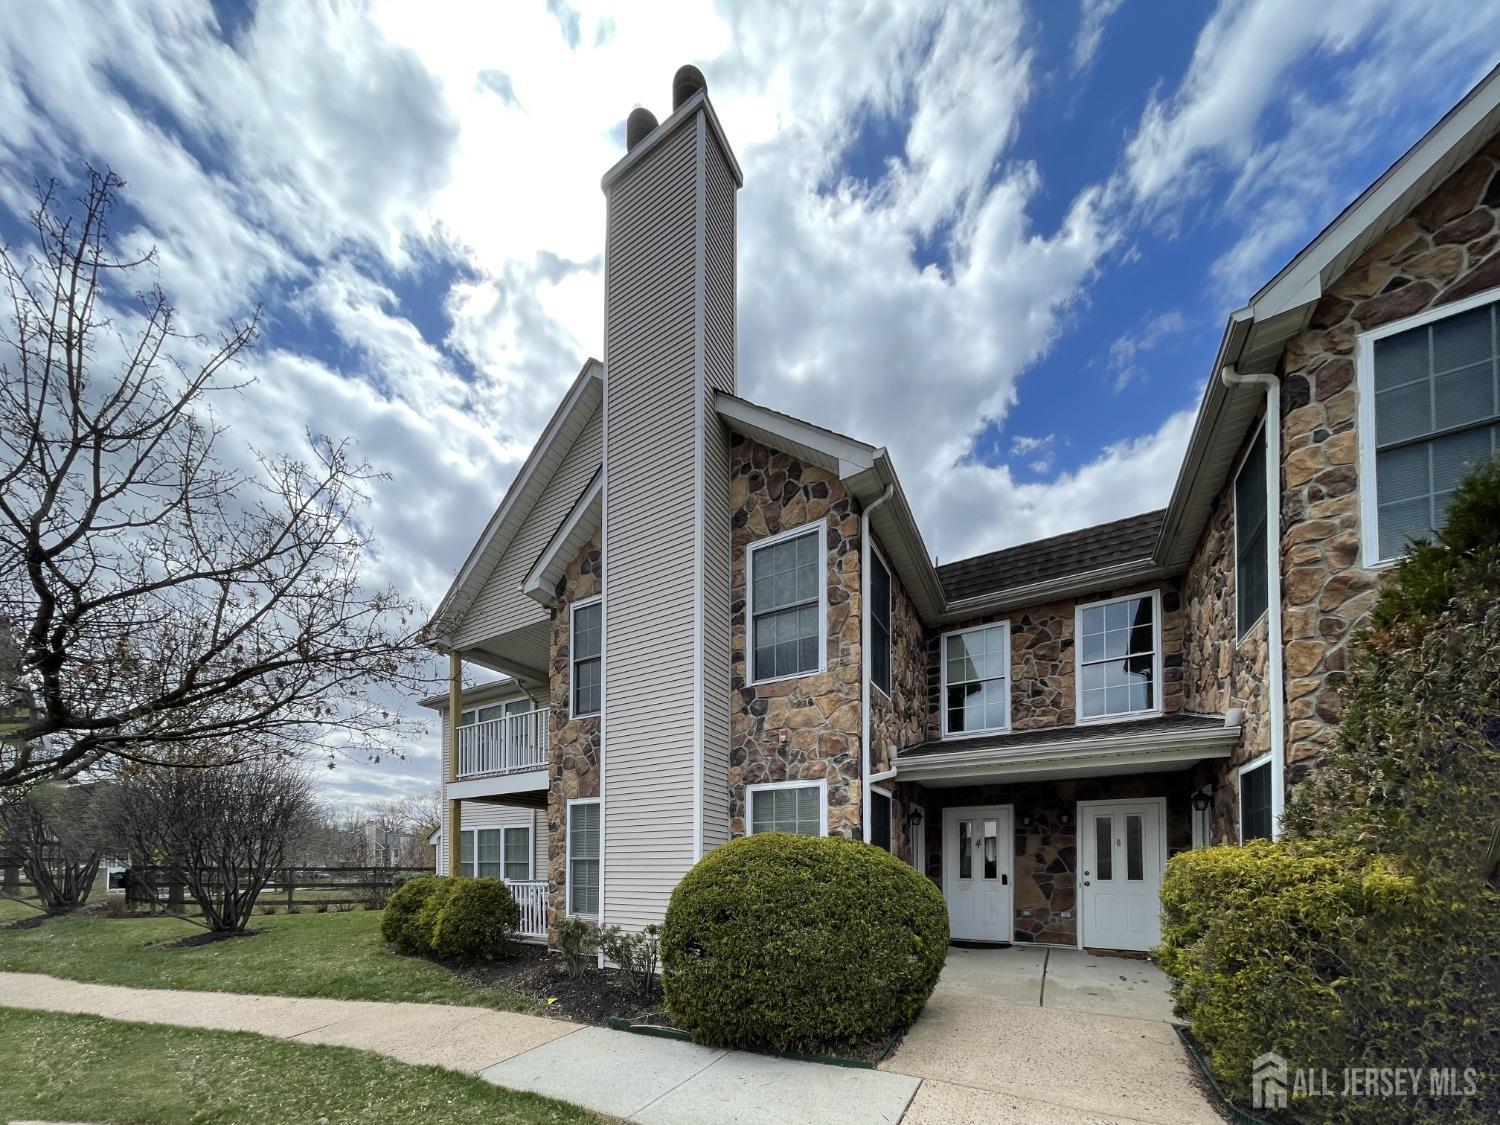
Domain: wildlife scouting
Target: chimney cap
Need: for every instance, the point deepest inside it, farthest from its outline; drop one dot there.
(638, 126)
(685, 83)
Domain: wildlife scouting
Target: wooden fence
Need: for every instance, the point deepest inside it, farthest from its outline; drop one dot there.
(288, 886)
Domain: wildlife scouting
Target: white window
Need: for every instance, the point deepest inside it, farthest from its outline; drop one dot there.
(1250, 588)
(1255, 801)
(976, 679)
(488, 865)
(880, 818)
(787, 604)
(1119, 657)
(583, 857)
(516, 854)
(465, 852)
(586, 644)
(800, 807)
(880, 623)
(1429, 411)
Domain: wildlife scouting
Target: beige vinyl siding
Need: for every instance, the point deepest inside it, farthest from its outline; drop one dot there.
(500, 606)
(651, 400)
(719, 372)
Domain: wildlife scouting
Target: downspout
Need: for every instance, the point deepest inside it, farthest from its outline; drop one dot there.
(1272, 384)
(864, 661)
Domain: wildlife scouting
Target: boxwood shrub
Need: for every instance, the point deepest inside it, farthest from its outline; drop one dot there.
(403, 924)
(783, 942)
(474, 920)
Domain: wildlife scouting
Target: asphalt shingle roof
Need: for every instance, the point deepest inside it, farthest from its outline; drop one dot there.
(1075, 552)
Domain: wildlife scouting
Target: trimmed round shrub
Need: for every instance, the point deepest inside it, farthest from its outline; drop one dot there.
(475, 920)
(404, 923)
(783, 942)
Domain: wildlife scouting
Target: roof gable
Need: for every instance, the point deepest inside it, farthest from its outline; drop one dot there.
(568, 422)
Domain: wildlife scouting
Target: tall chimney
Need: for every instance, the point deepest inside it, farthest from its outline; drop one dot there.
(669, 345)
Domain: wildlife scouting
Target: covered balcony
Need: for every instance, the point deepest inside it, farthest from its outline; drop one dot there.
(515, 743)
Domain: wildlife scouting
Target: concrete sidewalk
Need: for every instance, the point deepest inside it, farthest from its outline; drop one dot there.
(658, 1081)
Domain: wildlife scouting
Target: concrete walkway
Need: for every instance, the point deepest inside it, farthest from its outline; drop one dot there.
(1027, 1034)
(656, 1081)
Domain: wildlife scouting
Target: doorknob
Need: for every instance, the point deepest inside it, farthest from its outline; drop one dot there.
(1086, 883)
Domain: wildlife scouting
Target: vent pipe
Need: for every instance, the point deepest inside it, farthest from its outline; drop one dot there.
(685, 83)
(638, 126)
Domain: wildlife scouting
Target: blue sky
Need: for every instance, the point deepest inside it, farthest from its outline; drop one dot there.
(1000, 238)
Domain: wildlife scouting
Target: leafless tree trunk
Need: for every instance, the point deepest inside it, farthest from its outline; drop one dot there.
(167, 608)
(226, 828)
(55, 830)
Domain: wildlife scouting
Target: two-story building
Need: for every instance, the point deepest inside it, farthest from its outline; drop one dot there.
(716, 619)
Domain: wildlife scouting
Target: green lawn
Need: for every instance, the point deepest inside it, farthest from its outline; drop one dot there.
(83, 1068)
(340, 956)
(13, 910)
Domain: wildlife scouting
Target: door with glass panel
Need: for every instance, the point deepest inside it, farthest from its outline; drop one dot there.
(977, 848)
(1121, 855)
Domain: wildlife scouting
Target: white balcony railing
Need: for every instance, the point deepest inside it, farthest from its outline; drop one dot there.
(531, 897)
(507, 745)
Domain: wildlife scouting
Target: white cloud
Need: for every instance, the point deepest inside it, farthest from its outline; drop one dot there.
(1125, 351)
(1093, 15)
(326, 155)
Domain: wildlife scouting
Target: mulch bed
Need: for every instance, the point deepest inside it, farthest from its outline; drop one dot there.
(593, 996)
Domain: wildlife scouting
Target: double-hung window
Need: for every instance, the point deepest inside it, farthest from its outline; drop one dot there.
(1119, 657)
(880, 624)
(465, 852)
(1255, 802)
(583, 857)
(800, 807)
(585, 640)
(787, 605)
(880, 818)
(1429, 412)
(489, 854)
(1250, 589)
(976, 679)
(516, 854)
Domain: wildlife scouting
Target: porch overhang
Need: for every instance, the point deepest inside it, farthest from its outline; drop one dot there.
(1159, 746)
(497, 785)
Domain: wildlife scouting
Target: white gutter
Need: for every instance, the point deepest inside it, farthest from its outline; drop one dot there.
(1232, 378)
(864, 660)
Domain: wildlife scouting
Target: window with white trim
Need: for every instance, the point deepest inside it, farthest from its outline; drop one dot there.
(796, 807)
(976, 679)
(516, 854)
(1250, 584)
(785, 578)
(488, 865)
(586, 645)
(1433, 395)
(880, 623)
(880, 818)
(1255, 802)
(1118, 658)
(583, 858)
(465, 852)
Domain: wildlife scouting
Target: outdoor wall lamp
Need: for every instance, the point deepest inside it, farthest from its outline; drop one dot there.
(914, 816)
(1202, 802)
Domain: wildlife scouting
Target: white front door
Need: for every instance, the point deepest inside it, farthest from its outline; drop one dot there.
(1122, 852)
(977, 849)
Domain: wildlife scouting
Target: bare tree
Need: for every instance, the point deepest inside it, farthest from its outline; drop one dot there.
(167, 606)
(227, 829)
(58, 835)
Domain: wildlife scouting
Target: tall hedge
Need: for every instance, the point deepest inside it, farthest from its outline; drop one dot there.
(784, 942)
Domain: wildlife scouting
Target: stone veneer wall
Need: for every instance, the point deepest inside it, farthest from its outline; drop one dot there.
(1045, 848)
(573, 744)
(1042, 659)
(1445, 250)
(1221, 671)
(899, 720)
(808, 727)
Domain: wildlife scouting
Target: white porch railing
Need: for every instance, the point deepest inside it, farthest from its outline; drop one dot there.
(506, 745)
(531, 897)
